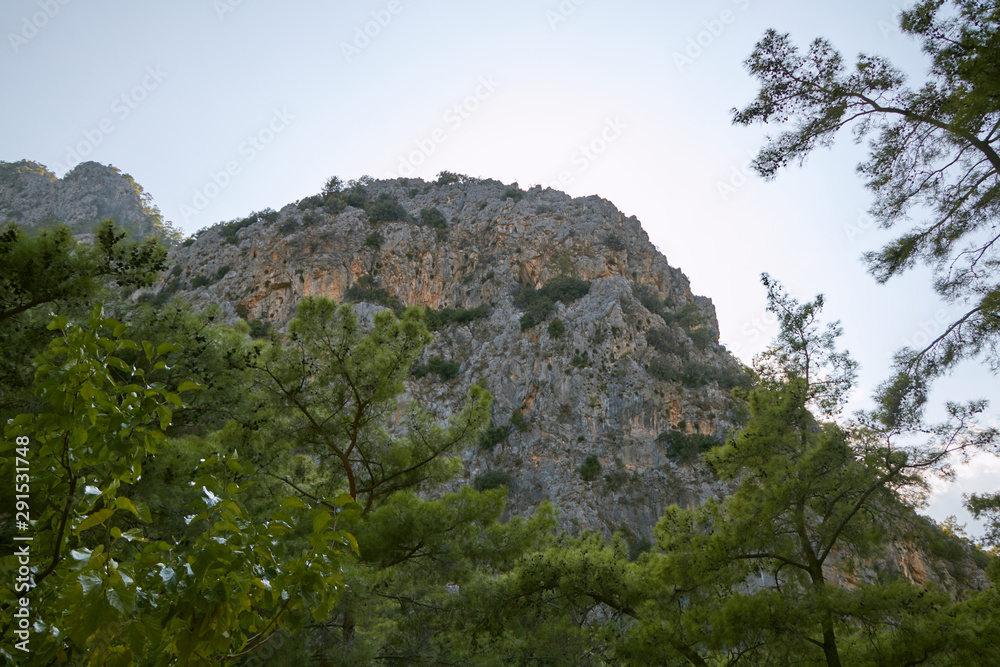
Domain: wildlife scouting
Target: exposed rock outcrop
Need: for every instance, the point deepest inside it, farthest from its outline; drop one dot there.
(33, 197)
(587, 392)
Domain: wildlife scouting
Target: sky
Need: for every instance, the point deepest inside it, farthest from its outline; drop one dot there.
(222, 107)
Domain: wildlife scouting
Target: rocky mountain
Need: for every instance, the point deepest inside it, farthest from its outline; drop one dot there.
(33, 197)
(603, 413)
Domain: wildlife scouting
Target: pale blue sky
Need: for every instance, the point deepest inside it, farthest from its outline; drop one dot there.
(173, 93)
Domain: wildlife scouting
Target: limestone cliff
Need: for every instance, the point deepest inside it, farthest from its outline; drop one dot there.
(606, 387)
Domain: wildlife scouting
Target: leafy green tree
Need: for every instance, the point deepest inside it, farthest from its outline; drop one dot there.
(52, 266)
(333, 388)
(807, 496)
(50, 270)
(754, 578)
(103, 589)
(934, 167)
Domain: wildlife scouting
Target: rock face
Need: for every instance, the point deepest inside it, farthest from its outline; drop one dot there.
(588, 392)
(33, 197)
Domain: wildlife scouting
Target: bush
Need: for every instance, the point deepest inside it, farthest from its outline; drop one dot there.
(337, 196)
(433, 218)
(188, 241)
(221, 272)
(686, 448)
(556, 328)
(693, 374)
(493, 435)
(638, 545)
(688, 316)
(701, 337)
(590, 469)
(200, 281)
(615, 480)
(260, 329)
(367, 289)
(513, 192)
(662, 340)
(612, 242)
(650, 301)
(374, 240)
(446, 370)
(491, 479)
(229, 229)
(439, 319)
(446, 177)
(288, 226)
(310, 203)
(519, 421)
(539, 304)
(386, 209)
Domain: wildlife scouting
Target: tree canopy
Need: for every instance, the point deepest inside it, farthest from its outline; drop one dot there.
(933, 164)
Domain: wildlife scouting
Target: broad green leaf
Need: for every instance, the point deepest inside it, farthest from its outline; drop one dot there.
(95, 519)
(293, 501)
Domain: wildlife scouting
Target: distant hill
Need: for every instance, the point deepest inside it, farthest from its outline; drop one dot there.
(33, 197)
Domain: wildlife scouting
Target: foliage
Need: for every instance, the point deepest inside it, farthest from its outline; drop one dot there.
(374, 240)
(445, 370)
(491, 479)
(109, 593)
(804, 491)
(933, 165)
(513, 192)
(688, 316)
(986, 507)
(200, 281)
(651, 301)
(310, 203)
(519, 421)
(686, 447)
(162, 230)
(493, 435)
(386, 208)
(556, 328)
(333, 389)
(10, 170)
(50, 272)
(367, 289)
(441, 319)
(662, 340)
(612, 242)
(432, 217)
(615, 480)
(337, 195)
(229, 230)
(447, 177)
(590, 469)
(539, 304)
(52, 266)
(694, 374)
